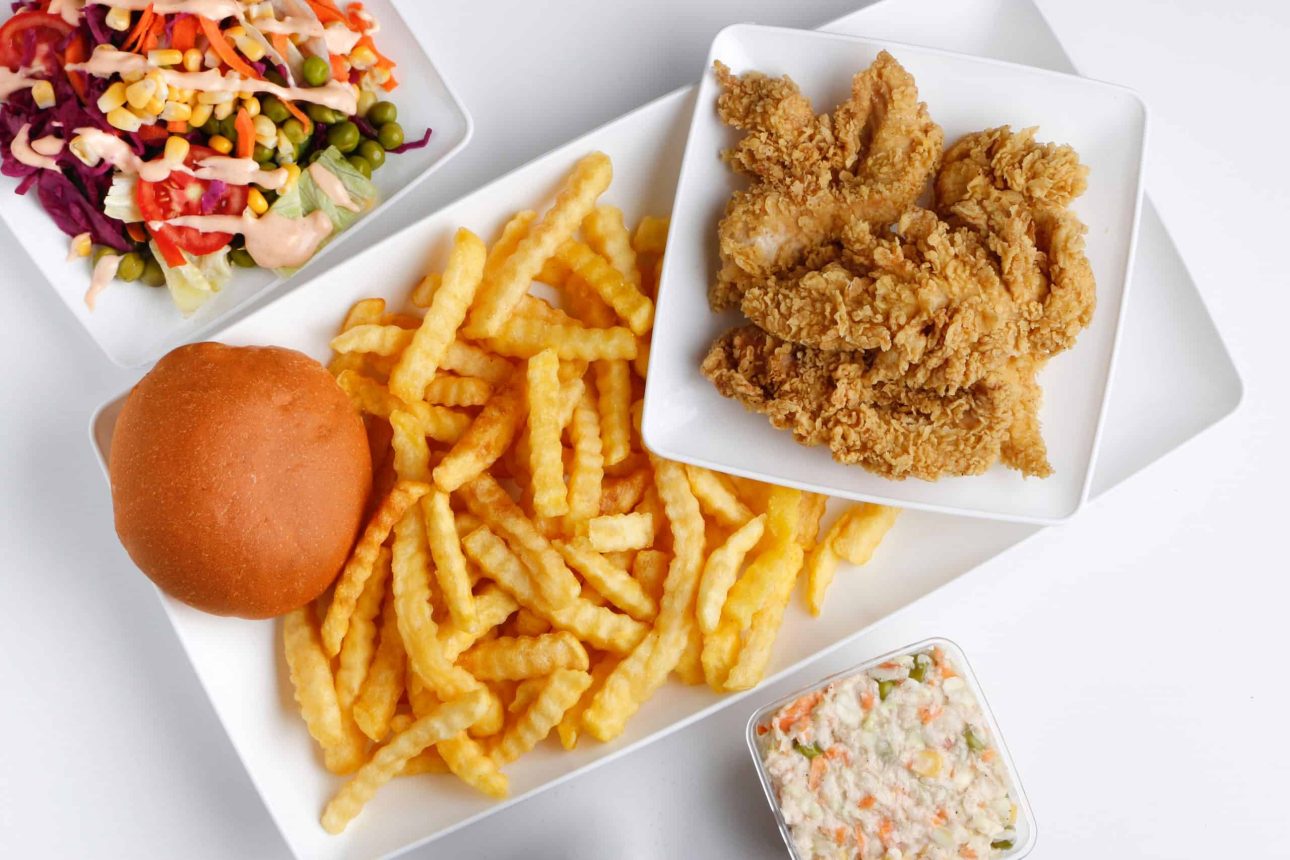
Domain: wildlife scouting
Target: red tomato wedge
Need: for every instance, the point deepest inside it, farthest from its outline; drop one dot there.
(48, 30)
(181, 194)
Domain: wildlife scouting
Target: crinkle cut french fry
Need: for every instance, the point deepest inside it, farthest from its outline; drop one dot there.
(426, 761)
(468, 761)
(621, 532)
(650, 236)
(751, 591)
(526, 691)
(486, 439)
(487, 500)
(589, 179)
(372, 339)
(446, 722)
(607, 235)
(614, 583)
(447, 310)
(808, 524)
(523, 337)
(383, 685)
(469, 360)
(546, 466)
(859, 531)
(754, 656)
(633, 307)
(359, 645)
(586, 474)
(315, 691)
(516, 658)
(821, 566)
(570, 725)
(620, 695)
(613, 393)
(717, 497)
(493, 605)
(411, 453)
(449, 562)
(449, 390)
(363, 312)
(562, 691)
(367, 394)
(359, 567)
(529, 623)
(690, 668)
(425, 290)
(721, 570)
(720, 650)
(618, 495)
(649, 568)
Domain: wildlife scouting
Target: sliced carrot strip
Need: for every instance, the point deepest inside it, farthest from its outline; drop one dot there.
(184, 34)
(226, 51)
(339, 68)
(300, 115)
(141, 26)
(245, 134)
(177, 127)
(868, 801)
(280, 43)
(819, 765)
(152, 38)
(326, 12)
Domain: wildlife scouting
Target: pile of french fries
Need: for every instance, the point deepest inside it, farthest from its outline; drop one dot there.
(530, 566)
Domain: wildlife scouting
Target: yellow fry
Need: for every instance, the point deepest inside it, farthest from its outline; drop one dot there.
(411, 453)
(469, 360)
(493, 605)
(513, 232)
(384, 682)
(535, 308)
(614, 393)
(598, 626)
(614, 583)
(720, 650)
(562, 691)
(754, 656)
(412, 322)
(649, 568)
(650, 236)
(487, 500)
(425, 290)
(373, 339)
(586, 473)
(754, 494)
(570, 725)
(717, 498)
(447, 310)
(607, 235)
(468, 761)
(689, 669)
(370, 396)
(422, 699)
(448, 390)
(525, 692)
(633, 307)
(589, 179)
(513, 658)
(363, 312)
(439, 422)
(315, 691)
(619, 495)
(550, 498)
(449, 562)
(524, 336)
(808, 523)
(621, 532)
(621, 693)
(722, 569)
(652, 505)
(426, 761)
(487, 437)
(360, 642)
(529, 623)
(860, 529)
(359, 567)
(821, 566)
(445, 722)
(752, 589)
(640, 364)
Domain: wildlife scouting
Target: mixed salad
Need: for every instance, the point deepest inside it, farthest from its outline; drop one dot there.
(176, 139)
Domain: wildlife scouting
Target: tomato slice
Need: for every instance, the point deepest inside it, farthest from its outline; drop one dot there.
(181, 194)
(48, 30)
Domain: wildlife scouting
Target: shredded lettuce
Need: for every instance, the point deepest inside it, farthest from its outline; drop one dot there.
(193, 284)
(306, 197)
(121, 201)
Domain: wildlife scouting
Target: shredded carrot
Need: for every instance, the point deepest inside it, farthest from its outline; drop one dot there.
(339, 67)
(927, 713)
(866, 700)
(838, 751)
(382, 61)
(300, 115)
(391, 84)
(152, 38)
(967, 853)
(859, 840)
(281, 44)
(819, 765)
(356, 21)
(184, 34)
(226, 51)
(884, 830)
(245, 134)
(799, 710)
(761, 730)
(840, 835)
(326, 12)
(940, 818)
(177, 127)
(141, 26)
(868, 801)
(988, 756)
(938, 657)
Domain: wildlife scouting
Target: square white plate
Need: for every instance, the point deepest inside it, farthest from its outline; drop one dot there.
(136, 325)
(686, 419)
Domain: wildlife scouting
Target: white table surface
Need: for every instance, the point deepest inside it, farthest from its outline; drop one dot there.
(1131, 657)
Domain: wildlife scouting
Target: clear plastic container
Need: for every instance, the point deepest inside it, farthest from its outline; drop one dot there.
(1025, 826)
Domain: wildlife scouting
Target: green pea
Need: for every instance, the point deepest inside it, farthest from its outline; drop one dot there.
(361, 164)
(153, 274)
(974, 743)
(344, 136)
(810, 750)
(381, 113)
(294, 129)
(1001, 844)
(211, 127)
(919, 670)
(317, 71)
(274, 109)
(131, 267)
(885, 688)
(390, 135)
(241, 258)
(373, 152)
(322, 114)
(228, 128)
(101, 251)
(262, 154)
(274, 76)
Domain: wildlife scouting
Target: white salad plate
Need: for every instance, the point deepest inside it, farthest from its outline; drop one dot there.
(687, 419)
(135, 325)
(1168, 334)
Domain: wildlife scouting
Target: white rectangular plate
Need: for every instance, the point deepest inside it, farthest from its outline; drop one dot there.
(687, 419)
(134, 324)
(239, 664)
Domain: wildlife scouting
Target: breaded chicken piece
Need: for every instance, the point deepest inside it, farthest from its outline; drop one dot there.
(889, 428)
(815, 175)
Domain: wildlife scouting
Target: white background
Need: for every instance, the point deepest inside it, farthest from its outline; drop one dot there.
(1134, 657)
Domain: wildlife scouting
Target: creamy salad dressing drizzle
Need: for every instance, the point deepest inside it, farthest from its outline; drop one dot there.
(94, 145)
(11, 81)
(213, 9)
(27, 154)
(273, 241)
(330, 184)
(68, 10)
(104, 274)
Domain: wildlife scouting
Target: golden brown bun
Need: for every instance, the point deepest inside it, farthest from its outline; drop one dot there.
(239, 477)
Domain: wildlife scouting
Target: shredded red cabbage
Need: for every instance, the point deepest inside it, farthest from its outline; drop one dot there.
(74, 212)
(211, 196)
(413, 144)
(364, 126)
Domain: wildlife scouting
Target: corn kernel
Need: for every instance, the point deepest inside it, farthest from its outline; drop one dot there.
(223, 111)
(926, 762)
(261, 11)
(176, 112)
(192, 60)
(234, 32)
(217, 97)
(155, 107)
(81, 245)
(118, 19)
(123, 119)
(132, 76)
(176, 149)
(159, 80)
(256, 201)
(137, 95)
(42, 92)
(380, 75)
(252, 106)
(211, 60)
(243, 95)
(113, 97)
(286, 151)
(366, 99)
(179, 94)
(220, 144)
(165, 57)
(265, 131)
(293, 175)
(201, 115)
(250, 48)
(362, 58)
